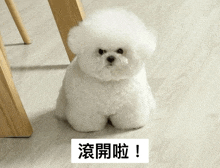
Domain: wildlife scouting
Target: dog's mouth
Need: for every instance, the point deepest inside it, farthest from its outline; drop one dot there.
(110, 65)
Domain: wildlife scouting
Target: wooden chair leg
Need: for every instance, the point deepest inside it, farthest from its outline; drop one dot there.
(17, 19)
(13, 119)
(2, 48)
(67, 13)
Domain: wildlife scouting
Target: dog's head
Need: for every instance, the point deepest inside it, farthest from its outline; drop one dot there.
(111, 44)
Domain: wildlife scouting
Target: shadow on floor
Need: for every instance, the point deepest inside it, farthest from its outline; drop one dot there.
(16, 44)
(50, 136)
(43, 67)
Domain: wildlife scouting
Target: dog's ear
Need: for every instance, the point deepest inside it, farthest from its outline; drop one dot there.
(76, 38)
(147, 43)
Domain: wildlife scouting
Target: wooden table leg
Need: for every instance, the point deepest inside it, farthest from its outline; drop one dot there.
(13, 118)
(18, 21)
(67, 13)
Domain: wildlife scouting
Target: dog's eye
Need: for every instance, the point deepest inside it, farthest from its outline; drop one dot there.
(102, 51)
(120, 51)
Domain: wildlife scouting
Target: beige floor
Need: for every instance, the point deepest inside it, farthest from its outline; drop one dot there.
(184, 73)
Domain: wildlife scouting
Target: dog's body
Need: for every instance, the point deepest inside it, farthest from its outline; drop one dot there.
(108, 83)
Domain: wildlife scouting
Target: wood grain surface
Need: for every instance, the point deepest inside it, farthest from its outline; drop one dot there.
(18, 21)
(2, 48)
(13, 119)
(67, 14)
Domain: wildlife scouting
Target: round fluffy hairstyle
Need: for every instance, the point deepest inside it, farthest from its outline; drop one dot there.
(112, 25)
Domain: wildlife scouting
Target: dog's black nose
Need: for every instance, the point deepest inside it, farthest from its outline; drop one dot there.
(110, 59)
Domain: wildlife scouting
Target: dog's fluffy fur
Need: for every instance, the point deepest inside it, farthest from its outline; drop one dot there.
(94, 89)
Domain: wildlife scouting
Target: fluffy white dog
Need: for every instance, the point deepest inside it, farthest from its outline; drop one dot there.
(107, 79)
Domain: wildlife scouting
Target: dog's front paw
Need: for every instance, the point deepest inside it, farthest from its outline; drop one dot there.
(59, 112)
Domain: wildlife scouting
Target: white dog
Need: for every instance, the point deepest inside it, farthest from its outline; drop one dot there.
(107, 78)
